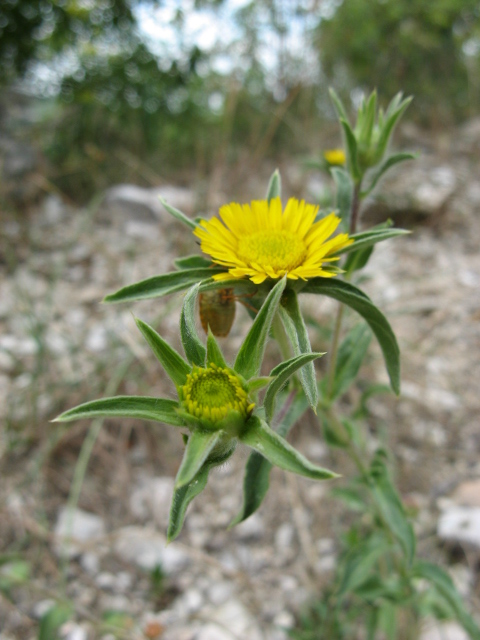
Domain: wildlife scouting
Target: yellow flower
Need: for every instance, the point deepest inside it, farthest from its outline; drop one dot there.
(335, 157)
(259, 241)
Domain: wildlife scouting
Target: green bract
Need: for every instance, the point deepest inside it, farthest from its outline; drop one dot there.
(217, 404)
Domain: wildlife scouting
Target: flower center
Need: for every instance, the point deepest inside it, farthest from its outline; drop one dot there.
(276, 248)
(212, 392)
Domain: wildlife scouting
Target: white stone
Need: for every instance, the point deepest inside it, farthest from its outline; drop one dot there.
(251, 529)
(42, 607)
(75, 530)
(214, 632)
(147, 548)
(284, 537)
(90, 563)
(232, 615)
(220, 592)
(151, 500)
(460, 524)
(97, 338)
(73, 631)
(443, 631)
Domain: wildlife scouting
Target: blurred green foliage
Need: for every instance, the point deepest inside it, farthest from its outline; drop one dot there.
(422, 48)
(125, 108)
(39, 29)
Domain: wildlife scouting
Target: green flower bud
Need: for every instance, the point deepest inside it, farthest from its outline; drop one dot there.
(215, 398)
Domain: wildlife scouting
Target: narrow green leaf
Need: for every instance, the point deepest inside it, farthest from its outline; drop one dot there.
(365, 133)
(359, 562)
(183, 496)
(255, 384)
(279, 452)
(385, 166)
(344, 191)
(331, 434)
(351, 144)
(338, 104)
(193, 346)
(199, 446)
(255, 486)
(143, 407)
(162, 285)
(176, 213)
(193, 262)
(390, 505)
(368, 239)
(387, 619)
(250, 356)
(298, 335)
(175, 366)
(52, 621)
(274, 189)
(351, 353)
(351, 496)
(357, 260)
(392, 117)
(281, 374)
(257, 470)
(214, 353)
(355, 298)
(445, 586)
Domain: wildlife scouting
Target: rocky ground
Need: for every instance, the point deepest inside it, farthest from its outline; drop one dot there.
(59, 346)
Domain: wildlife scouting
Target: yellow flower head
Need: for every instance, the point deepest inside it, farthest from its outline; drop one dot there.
(259, 241)
(335, 157)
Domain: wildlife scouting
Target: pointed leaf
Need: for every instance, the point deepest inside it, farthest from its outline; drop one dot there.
(193, 262)
(369, 238)
(156, 409)
(361, 303)
(351, 144)
(338, 104)
(182, 496)
(178, 214)
(214, 353)
(193, 346)
(53, 619)
(298, 335)
(279, 452)
(162, 285)
(274, 189)
(351, 353)
(392, 116)
(255, 384)
(385, 166)
(365, 133)
(281, 374)
(199, 446)
(250, 356)
(390, 505)
(257, 470)
(445, 586)
(175, 366)
(343, 183)
(358, 564)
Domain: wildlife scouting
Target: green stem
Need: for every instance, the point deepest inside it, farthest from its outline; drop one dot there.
(332, 365)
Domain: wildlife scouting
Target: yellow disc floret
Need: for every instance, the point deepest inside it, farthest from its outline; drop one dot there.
(211, 393)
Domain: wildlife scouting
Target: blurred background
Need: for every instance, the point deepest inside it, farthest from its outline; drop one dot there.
(104, 105)
(121, 90)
